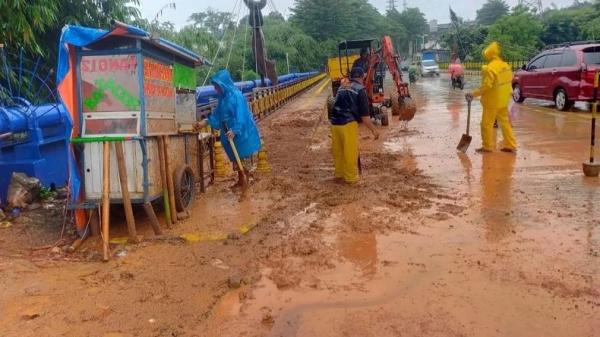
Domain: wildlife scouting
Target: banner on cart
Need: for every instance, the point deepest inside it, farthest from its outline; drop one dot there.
(159, 91)
(109, 83)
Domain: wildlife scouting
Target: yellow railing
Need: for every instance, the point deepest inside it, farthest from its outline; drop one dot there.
(264, 101)
(476, 65)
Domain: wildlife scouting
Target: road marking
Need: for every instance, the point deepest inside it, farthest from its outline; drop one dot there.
(579, 115)
(323, 86)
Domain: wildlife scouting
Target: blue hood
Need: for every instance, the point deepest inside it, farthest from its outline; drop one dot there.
(223, 79)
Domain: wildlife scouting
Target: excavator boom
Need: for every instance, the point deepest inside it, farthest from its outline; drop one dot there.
(402, 103)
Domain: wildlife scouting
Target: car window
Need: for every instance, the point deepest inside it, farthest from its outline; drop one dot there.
(591, 55)
(569, 59)
(428, 63)
(552, 60)
(537, 63)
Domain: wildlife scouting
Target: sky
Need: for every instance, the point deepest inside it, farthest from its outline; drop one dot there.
(433, 9)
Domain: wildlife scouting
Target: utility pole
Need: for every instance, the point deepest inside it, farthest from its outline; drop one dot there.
(404, 6)
(391, 5)
(287, 58)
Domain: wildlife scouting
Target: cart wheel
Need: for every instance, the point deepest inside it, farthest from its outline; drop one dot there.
(185, 187)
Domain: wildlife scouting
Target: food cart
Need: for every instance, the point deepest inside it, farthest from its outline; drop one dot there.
(134, 111)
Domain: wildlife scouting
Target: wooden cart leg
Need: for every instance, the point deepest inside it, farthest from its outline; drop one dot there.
(152, 217)
(211, 152)
(170, 186)
(105, 199)
(201, 165)
(163, 177)
(94, 221)
(125, 193)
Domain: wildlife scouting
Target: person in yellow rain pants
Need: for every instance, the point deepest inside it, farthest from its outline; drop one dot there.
(351, 107)
(495, 93)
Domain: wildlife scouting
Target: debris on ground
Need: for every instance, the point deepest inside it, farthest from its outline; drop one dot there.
(22, 190)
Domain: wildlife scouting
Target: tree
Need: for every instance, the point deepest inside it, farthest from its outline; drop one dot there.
(415, 24)
(559, 26)
(491, 11)
(215, 22)
(467, 42)
(23, 21)
(518, 34)
(337, 19)
(396, 30)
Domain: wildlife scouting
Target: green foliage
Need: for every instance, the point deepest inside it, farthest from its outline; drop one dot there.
(337, 19)
(466, 43)
(559, 26)
(46, 193)
(414, 22)
(491, 12)
(518, 34)
(22, 22)
(396, 30)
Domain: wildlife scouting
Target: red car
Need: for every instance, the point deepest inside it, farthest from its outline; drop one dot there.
(564, 75)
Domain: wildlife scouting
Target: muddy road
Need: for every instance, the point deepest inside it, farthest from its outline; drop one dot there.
(429, 243)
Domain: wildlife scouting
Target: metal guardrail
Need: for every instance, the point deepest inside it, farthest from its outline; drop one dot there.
(476, 65)
(263, 101)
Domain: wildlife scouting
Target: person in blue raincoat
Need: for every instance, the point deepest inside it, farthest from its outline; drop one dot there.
(234, 120)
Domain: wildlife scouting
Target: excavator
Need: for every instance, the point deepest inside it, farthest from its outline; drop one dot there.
(381, 54)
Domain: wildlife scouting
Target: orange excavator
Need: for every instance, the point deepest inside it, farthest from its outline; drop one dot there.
(381, 54)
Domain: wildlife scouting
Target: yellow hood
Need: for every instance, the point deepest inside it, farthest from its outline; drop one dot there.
(492, 51)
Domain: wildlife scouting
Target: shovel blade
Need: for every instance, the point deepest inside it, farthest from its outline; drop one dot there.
(464, 143)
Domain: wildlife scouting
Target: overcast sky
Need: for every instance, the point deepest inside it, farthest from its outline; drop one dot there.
(432, 9)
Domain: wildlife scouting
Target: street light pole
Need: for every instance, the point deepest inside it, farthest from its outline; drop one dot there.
(287, 58)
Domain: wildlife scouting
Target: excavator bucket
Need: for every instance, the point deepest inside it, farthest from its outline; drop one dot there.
(407, 109)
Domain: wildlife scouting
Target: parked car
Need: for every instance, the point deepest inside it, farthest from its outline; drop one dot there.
(564, 75)
(429, 67)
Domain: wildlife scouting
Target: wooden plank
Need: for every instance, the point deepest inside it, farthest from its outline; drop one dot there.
(125, 192)
(105, 199)
(163, 179)
(159, 126)
(170, 186)
(154, 173)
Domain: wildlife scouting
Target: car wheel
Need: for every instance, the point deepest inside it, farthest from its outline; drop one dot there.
(561, 100)
(517, 95)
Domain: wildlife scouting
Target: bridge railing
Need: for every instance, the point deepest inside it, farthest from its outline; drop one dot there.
(476, 65)
(263, 101)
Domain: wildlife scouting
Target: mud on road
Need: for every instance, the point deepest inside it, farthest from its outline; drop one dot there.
(406, 252)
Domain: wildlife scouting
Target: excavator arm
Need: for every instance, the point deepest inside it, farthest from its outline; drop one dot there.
(391, 60)
(402, 103)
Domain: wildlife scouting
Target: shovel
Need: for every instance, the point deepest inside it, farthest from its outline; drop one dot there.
(238, 161)
(465, 140)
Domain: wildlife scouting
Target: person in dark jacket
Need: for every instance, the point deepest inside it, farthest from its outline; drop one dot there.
(363, 61)
(351, 107)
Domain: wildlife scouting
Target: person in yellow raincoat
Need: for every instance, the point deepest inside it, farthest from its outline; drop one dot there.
(495, 93)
